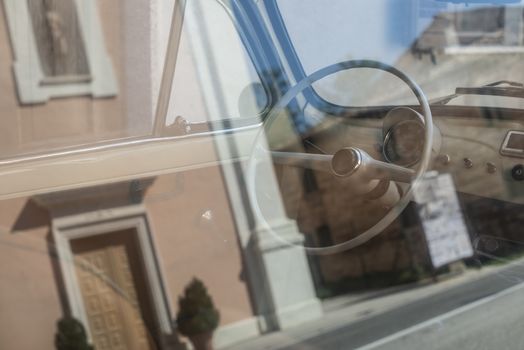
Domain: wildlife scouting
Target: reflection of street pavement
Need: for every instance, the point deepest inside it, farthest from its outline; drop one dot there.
(493, 322)
(465, 309)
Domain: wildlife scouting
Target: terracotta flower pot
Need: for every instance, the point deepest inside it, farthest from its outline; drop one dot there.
(203, 341)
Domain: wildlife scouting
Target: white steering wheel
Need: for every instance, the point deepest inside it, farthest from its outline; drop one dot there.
(348, 162)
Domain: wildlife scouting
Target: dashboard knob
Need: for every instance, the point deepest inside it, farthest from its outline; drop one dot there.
(518, 172)
(468, 163)
(444, 159)
(491, 167)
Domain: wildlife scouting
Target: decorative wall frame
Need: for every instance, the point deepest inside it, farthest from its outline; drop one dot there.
(65, 229)
(30, 78)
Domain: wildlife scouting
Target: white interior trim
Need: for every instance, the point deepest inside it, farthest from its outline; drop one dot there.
(112, 163)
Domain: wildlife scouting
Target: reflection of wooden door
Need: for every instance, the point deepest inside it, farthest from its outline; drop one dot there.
(113, 285)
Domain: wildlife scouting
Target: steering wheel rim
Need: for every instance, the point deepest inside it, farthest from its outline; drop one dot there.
(398, 208)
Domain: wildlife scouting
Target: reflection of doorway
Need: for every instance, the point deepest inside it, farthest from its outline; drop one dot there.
(90, 239)
(112, 280)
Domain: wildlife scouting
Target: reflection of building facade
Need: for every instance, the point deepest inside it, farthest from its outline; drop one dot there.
(117, 255)
(481, 29)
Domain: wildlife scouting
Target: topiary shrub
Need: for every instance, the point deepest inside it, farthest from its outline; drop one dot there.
(196, 312)
(71, 335)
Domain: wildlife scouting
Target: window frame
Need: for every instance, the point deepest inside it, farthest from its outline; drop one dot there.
(284, 40)
(260, 50)
(27, 68)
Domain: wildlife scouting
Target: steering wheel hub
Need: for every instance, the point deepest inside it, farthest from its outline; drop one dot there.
(346, 161)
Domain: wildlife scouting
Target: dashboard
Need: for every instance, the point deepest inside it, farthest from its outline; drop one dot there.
(475, 161)
(480, 147)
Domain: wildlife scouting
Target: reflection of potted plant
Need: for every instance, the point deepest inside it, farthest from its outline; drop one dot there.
(197, 316)
(71, 335)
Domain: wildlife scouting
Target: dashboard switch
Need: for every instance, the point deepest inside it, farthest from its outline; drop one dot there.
(491, 167)
(468, 163)
(444, 159)
(518, 172)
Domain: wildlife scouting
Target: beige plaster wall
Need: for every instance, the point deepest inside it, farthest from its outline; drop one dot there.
(62, 121)
(191, 246)
(29, 296)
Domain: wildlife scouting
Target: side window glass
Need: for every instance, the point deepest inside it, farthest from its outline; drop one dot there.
(78, 73)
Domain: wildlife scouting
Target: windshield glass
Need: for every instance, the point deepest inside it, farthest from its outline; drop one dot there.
(440, 44)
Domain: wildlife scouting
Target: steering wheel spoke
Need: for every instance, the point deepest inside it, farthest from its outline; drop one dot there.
(347, 162)
(320, 162)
